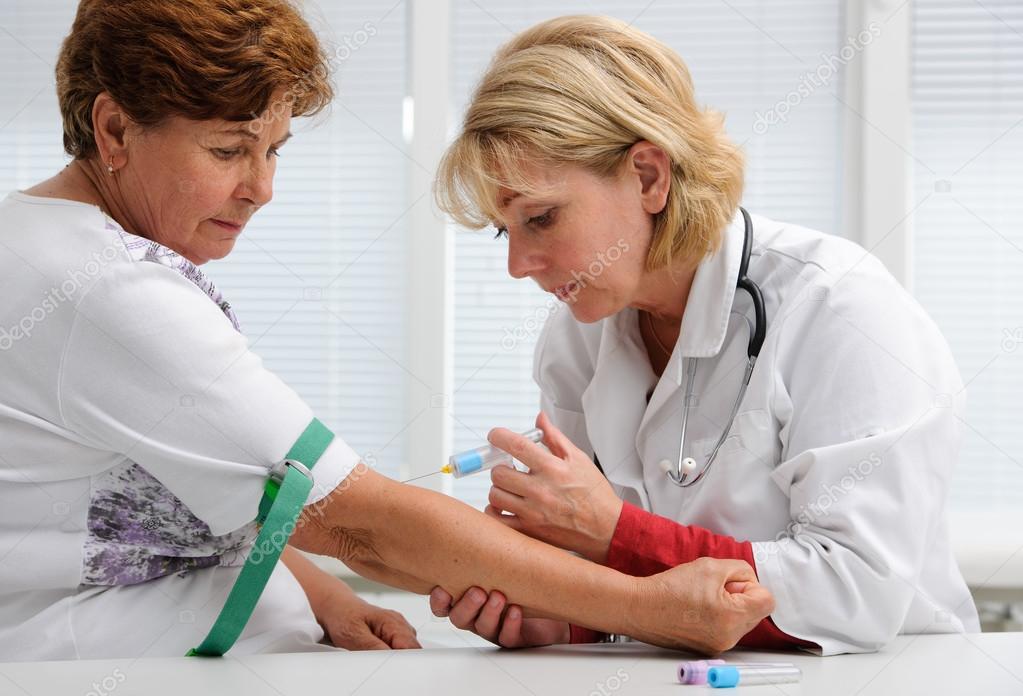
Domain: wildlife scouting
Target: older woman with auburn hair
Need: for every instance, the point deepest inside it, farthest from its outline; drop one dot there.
(722, 384)
(152, 468)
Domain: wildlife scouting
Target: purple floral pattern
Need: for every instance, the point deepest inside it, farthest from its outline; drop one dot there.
(137, 529)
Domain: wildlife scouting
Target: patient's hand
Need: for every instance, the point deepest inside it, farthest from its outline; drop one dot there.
(491, 617)
(354, 624)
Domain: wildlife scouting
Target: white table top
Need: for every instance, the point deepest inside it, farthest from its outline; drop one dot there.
(980, 664)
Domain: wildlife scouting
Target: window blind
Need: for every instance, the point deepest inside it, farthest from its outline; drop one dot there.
(968, 137)
(746, 58)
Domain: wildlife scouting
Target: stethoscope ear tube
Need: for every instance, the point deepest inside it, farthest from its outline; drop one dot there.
(759, 332)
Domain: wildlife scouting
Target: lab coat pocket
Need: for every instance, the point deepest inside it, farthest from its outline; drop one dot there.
(750, 439)
(740, 474)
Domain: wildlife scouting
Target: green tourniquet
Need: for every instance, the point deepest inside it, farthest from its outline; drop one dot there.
(278, 511)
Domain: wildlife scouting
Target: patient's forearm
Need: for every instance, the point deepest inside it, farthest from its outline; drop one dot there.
(379, 572)
(422, 534)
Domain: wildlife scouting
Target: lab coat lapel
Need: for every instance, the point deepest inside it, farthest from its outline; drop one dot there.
(614, 403)
(704, 325)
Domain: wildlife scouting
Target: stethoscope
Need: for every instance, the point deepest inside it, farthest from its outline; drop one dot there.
(682, 469)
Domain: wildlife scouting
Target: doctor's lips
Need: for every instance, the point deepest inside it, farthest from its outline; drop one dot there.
(567, 292)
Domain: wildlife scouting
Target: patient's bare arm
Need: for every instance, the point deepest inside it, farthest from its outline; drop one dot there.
(417, 539)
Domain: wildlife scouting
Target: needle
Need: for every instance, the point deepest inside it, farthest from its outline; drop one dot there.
(416, 478)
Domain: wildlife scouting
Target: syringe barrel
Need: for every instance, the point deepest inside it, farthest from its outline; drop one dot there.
(485, 457)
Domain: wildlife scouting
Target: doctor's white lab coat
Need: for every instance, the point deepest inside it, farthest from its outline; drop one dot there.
(838, 464)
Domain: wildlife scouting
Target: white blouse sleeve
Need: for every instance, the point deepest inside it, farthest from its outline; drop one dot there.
(153, 370)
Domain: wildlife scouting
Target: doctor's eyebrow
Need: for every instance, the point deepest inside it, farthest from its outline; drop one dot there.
(509, 199)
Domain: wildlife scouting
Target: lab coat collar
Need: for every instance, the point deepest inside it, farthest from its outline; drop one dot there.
(614, 403)
(705, 321)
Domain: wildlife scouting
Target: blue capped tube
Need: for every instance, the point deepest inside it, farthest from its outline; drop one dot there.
(483, 458)
(727, 676)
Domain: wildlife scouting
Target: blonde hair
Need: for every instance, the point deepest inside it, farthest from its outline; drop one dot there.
(582, 90)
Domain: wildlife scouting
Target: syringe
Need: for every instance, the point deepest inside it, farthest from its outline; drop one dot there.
(483, 458)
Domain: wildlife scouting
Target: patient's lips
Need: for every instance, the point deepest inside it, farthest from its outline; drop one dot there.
(235, 227)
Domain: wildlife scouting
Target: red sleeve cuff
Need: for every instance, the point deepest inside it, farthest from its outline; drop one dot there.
(644, 544)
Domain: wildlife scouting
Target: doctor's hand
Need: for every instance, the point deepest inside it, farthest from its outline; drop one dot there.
(490, 616)
(706, 605)
(564, 500)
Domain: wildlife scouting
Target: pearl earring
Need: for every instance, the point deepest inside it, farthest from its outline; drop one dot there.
(110, 166)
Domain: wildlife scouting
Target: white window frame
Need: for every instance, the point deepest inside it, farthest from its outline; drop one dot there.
(877, 136)
(431, 250)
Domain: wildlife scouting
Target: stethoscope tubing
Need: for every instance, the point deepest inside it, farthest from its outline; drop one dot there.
(682, 473)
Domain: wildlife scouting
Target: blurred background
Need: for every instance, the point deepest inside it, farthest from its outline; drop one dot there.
(898, 125)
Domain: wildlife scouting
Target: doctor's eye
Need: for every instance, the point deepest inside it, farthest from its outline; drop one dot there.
(542, 221)
(501, 232)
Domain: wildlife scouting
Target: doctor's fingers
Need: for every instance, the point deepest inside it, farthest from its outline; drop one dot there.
(440, 602)
(513, 481)
(555, 440)
(489, 620)
(466, 611)
(522, 448)
(510, 521)
(728, 570)
(511, 628)
(501, 499)
(756, 599)
(737, 586)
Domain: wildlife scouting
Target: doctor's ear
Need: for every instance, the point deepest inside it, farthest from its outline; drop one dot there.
(652, 168)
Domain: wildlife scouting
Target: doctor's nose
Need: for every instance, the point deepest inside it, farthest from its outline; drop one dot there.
(522, 262)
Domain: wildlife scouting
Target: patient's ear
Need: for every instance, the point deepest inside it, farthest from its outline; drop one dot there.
(110, 126)
(652, 169)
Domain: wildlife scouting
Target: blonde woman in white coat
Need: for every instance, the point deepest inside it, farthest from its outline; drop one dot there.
(584, 145)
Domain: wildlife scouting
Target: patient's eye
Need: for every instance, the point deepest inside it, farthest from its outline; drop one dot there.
(226, 153)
